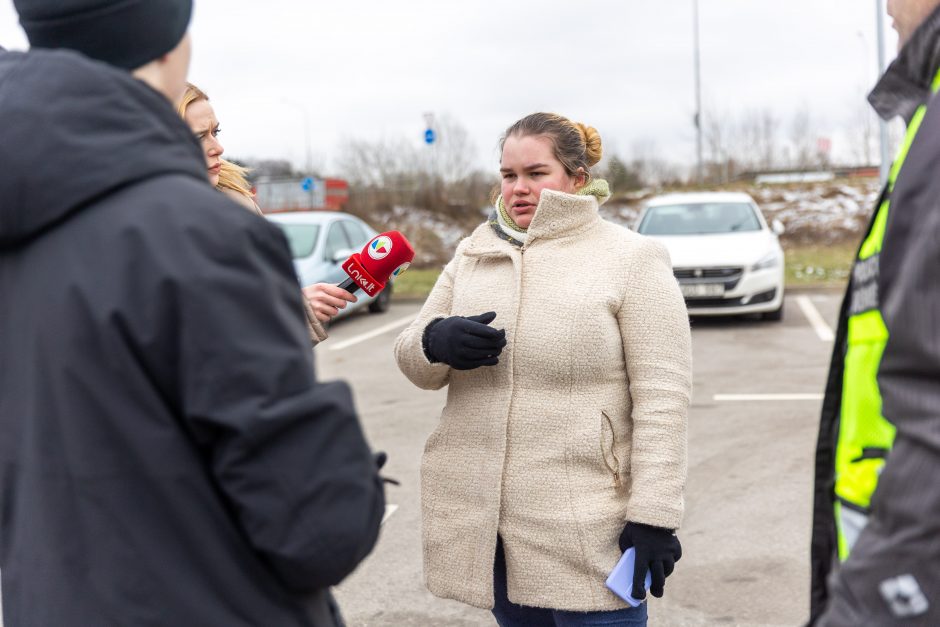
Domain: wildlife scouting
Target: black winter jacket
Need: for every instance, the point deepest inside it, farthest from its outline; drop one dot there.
(905, 86)
(166, 455)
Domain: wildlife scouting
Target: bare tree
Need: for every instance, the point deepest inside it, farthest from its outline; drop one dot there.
(717, 133)
(767, 140)
(619, 174)
(650, 168)
(453, 154)
(862, 130)
(393, 176)
(383, 163)
(803, 139)
(272, 168)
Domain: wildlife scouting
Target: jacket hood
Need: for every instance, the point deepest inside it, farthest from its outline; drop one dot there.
(74, 130)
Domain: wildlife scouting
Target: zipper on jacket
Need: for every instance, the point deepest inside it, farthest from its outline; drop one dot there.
(615, 469)
(518, 308)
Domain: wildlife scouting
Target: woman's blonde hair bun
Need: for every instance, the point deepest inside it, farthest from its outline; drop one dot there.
(592, 143)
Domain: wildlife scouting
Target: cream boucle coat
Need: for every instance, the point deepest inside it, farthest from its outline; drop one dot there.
(579, 428)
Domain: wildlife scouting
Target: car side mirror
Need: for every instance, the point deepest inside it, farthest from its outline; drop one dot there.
(343, 254)
(777, 227)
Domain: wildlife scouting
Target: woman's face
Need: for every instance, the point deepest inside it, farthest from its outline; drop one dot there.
(528, 166)
(202, 122)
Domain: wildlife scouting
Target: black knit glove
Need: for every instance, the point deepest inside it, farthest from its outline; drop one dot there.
(657, 551)
(464, 343)
(380, 458)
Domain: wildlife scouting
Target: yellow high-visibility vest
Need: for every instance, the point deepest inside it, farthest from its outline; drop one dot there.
(865, 436)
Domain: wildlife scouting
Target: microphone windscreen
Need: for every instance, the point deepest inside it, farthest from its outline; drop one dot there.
(387, 255)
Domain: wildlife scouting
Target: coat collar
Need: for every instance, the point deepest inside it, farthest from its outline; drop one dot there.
(558, 216)
(907, 81)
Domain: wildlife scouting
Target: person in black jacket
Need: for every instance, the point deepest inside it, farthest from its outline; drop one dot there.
(891, 575)
(166, 454)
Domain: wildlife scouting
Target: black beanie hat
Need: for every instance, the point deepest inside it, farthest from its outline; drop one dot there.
(124, 33)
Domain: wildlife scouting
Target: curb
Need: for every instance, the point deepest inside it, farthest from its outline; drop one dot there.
(828, 288)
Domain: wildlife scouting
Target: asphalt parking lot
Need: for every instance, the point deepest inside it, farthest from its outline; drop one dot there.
(758, 390)
(752, 434)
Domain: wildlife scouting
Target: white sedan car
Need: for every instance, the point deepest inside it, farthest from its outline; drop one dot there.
(725, 257)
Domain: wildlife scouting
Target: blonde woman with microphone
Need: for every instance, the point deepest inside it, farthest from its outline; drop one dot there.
(564, 342)
(323, 300)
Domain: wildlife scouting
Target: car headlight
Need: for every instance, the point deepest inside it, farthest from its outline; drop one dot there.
(770, 260)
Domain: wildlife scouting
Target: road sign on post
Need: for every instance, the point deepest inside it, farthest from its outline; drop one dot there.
(430, 135)
(309, 185)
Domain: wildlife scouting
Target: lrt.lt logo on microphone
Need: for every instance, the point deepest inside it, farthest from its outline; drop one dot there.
(360, 276)
(400, 269)
(380, 247)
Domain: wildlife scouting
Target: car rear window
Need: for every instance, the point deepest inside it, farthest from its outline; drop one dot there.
(699, 219)
(302, 238)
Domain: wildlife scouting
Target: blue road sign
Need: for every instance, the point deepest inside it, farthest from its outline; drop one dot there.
(429, 136)
(308, 184)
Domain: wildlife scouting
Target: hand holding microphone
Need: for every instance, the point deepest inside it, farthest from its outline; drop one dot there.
(464, 343)
(327, 299)
(385, 256)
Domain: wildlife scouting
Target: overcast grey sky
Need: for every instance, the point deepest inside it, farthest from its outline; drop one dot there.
(370, 69)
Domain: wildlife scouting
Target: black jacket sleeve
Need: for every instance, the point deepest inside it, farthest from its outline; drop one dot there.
(287, 453)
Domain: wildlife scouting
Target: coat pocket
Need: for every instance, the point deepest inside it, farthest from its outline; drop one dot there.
(608, 444)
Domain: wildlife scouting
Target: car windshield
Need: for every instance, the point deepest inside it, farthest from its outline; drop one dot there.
(302, 238)
(699, 219)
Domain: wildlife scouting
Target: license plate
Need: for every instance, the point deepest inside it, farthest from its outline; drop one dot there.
(703, 290)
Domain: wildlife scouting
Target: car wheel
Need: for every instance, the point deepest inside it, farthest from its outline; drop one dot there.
(382, 302)
(775, 315)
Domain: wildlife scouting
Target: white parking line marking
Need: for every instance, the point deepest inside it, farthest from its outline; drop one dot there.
(391, 326)
(767, 397)
(816, 321)
(389, 510)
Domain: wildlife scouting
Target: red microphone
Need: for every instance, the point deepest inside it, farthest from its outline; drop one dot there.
(385, 256)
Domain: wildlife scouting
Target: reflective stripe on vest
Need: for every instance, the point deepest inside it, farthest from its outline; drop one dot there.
(865, 437)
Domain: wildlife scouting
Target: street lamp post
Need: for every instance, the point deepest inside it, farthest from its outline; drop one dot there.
(430, 139)
(306, 117)
(866, 84)
(885, 160)
(698, 98)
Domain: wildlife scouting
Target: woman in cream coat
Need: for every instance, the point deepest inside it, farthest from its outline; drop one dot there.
(566, 446)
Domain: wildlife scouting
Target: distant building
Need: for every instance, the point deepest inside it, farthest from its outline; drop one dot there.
(301, 194)
(770, 177)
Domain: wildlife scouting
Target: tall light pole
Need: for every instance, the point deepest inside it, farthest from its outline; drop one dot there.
(306, 115)
(880, 27)
(698, 98)
(866, 83)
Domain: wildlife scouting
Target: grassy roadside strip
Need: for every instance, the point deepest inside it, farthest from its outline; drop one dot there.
(416, 283)
(818, 265)
(812, 266)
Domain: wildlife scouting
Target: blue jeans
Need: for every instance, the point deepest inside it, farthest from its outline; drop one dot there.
(509, 614)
